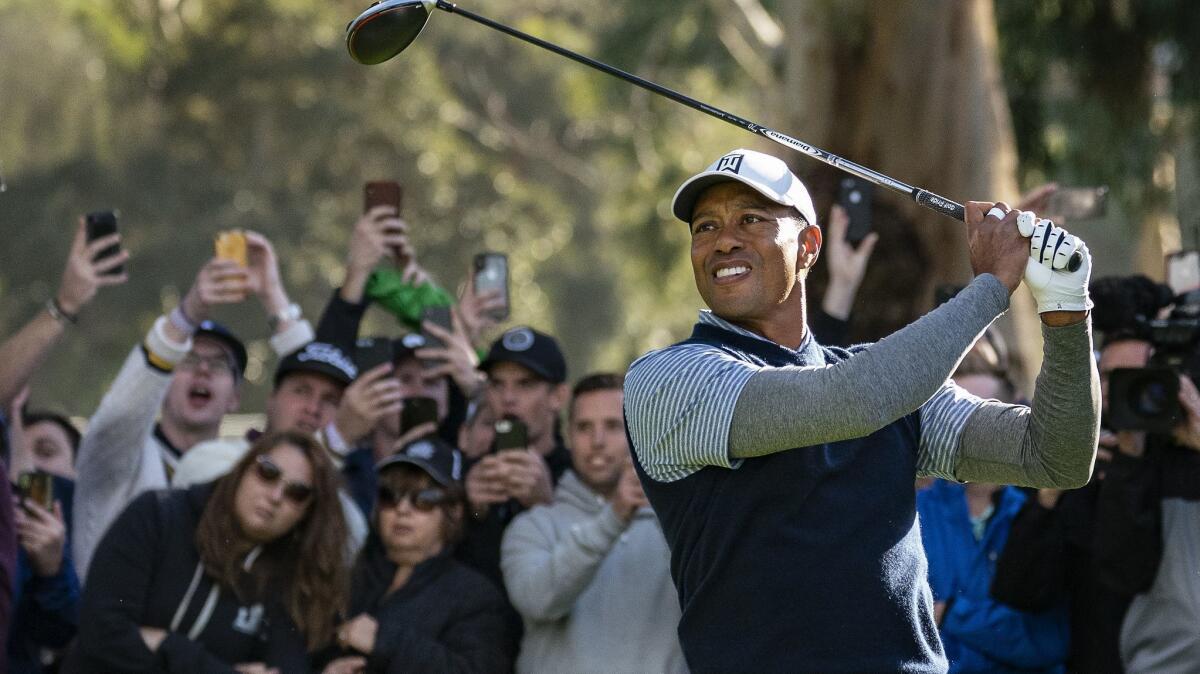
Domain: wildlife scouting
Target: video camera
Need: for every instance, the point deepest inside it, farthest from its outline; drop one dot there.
(1147, 399)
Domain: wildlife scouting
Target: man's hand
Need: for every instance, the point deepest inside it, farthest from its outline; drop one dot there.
(359, 634)
(628, 497)
(262, 273)
(1187, 433)
(379, 233)
(528, 479)
(476, 310)
(350, 664)
(997, 247)
(153, 637)
(846, 265)
(374, 395)
(456, 359)
(82, 277)
(219, 281)
(42, 534)
(485, 484)
(1061, 294)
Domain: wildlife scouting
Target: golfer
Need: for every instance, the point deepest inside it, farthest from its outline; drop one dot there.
(782, 471)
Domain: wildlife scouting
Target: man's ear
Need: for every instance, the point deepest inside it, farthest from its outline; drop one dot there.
(559, 394)
(809, 248)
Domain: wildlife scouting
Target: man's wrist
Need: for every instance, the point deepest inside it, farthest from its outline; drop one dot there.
(60, 314)
(66, 307)
(1058, 319)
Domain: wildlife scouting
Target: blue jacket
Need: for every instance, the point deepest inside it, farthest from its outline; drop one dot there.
(979, 633)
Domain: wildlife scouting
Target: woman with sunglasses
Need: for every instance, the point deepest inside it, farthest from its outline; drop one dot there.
(246, 573)
(413, 607)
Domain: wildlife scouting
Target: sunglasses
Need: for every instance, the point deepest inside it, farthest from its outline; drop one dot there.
(424, 500)
(269, 473)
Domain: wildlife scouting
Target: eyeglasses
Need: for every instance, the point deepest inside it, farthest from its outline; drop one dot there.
(218, 364)
(424, 500)
(269, 473)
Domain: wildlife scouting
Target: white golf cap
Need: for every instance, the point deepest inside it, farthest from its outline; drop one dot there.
(768, 175)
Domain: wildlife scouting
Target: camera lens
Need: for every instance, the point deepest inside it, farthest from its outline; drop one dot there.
(1152, 398)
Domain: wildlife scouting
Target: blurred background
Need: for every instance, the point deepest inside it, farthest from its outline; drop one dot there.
(190, 117)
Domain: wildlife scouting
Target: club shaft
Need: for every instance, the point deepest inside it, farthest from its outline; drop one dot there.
(923, 197)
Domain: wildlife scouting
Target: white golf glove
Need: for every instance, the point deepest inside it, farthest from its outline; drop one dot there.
(1053, 285)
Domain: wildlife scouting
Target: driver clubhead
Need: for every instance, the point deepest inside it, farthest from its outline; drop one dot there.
(386, 29)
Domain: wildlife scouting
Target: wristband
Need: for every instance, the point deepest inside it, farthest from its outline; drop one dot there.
(180, 320)
(59, 314)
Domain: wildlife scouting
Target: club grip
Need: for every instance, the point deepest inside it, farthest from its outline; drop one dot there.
(941, 204)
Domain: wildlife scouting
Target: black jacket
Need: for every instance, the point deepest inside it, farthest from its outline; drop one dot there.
(446, 618)
(147, 573)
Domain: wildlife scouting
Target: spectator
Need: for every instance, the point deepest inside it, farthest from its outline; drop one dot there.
(46, 601)
(964, 529)
(525, 374)
(245, 572)
(847, 266)
(189, 369)
(478, 430)
(415, 608)
(8, 559)
(590, 573)
(309, 385)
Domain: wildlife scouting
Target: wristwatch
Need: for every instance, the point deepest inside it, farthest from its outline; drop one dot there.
(290, 313)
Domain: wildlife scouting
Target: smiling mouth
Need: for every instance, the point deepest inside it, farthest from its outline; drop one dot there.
(731, 273)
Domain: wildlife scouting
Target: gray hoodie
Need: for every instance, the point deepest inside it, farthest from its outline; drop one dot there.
(596, 595)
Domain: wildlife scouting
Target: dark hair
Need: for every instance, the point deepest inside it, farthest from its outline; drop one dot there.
(405, 477)
(599, 381)
(29, 418)
(307, 567)
(989, 356)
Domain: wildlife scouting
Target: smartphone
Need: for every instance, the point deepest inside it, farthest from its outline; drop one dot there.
(1183, 271)
(511, 433)
(382, 193)
(37, 486)
(417, 411)
(491, 274)
(371, 353)
(1077, 203)
(439, 316)
(101, 224)
(231, 245)
(855, 196)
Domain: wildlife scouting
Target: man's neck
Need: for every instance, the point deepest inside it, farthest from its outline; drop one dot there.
(980, 497)
(787, 325)
(184, 439)
(545, 444)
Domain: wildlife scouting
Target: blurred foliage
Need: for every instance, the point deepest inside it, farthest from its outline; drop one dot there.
(191, 117)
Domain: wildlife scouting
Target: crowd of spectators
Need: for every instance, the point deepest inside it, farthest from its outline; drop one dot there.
(340, 539)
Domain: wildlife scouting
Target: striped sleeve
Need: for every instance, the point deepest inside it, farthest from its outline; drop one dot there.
(678, 404)
(943, 417)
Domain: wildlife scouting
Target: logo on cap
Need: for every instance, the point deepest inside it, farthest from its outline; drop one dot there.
(519, 339)
(730, 162)
(330, 355)
(413, 340)
(420, 450)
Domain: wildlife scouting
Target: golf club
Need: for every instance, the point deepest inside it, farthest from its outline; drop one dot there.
(387, 28)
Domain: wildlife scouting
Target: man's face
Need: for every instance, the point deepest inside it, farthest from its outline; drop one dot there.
(411, 373)
(599, 448)
(52, 448)
(515, 390)
(747, 251)
(1126, 353)
(986, 386)
(204, 387)
(475, 437)
(303, 401)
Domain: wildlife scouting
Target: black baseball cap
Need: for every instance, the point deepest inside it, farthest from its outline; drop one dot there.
(432, 455)
(223, 335)
(535, 350)
(319, 358)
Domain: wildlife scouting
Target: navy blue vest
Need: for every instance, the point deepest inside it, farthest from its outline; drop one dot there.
(808, 560)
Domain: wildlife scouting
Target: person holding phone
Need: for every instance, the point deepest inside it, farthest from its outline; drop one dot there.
(248, 572)
(175, 387)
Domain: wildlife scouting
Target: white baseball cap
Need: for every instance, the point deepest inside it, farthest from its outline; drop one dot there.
(766, 174)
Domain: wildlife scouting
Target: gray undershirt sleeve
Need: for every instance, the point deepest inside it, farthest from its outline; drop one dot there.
(785, 407)
(1052, 443)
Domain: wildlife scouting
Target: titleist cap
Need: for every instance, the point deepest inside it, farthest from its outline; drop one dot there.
(768, 175)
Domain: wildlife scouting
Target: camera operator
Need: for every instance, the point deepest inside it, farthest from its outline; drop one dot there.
(1119, 548)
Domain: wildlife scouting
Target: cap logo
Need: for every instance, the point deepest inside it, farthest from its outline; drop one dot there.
(519, 339)
(413, 340)
(330, 355)
(730, 162)
(420, 450)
